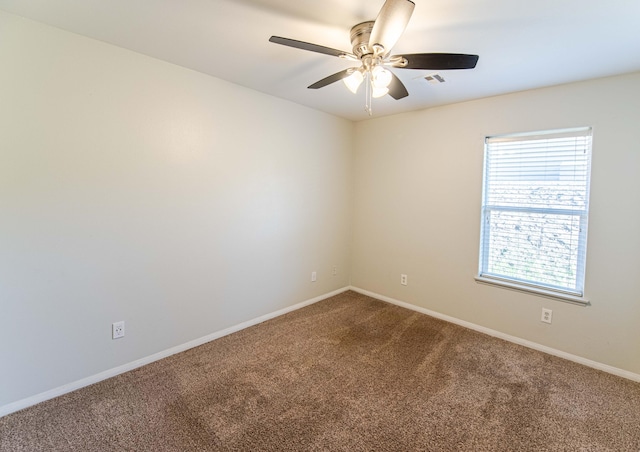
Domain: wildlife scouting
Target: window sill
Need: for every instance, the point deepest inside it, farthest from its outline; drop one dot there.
(574, 299)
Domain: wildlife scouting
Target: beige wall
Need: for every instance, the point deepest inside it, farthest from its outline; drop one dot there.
(136, 190)
(417, 198)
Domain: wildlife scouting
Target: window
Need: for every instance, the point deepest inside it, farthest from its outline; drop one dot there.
(535, 206)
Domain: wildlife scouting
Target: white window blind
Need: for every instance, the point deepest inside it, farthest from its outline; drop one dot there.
(535, 209)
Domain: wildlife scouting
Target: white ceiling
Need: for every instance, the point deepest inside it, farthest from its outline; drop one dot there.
(522, 44)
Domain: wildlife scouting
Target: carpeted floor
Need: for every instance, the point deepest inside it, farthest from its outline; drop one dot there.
(346, 374)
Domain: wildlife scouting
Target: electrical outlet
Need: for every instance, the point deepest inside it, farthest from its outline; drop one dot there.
(117, 330)
(403, 280)
(546, 315)
(313, 277)
(335, 270)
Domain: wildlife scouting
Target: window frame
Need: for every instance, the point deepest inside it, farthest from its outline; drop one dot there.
(536, 287)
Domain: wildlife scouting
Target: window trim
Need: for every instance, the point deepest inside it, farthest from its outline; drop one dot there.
(561, 294)
(521, 287)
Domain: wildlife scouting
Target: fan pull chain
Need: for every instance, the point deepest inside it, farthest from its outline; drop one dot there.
(368, 104)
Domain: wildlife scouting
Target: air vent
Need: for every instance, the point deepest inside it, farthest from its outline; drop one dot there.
(434, 79)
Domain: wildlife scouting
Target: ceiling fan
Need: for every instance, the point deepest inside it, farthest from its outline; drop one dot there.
(372, 42)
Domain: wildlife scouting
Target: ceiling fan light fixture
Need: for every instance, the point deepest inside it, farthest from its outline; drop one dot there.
(379, 92)
(380, 77)
(353, 81)
(372, 42)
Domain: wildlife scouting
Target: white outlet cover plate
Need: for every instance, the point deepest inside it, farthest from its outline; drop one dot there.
(117, 330)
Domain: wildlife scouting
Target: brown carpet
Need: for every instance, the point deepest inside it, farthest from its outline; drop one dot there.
(347, 374)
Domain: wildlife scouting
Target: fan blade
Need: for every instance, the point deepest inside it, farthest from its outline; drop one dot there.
(332, 78)
(436, 61)
(311, 47)
(390, 24)
(397, 89)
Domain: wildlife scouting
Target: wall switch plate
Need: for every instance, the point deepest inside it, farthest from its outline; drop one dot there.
(313, 277)
(546, 315)
(403, 280)
(117, 330)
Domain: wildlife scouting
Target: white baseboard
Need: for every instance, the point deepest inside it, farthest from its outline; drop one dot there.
(56, 392)
(516, 340)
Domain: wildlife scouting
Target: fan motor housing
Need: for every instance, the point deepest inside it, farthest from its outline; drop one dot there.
(360, 38)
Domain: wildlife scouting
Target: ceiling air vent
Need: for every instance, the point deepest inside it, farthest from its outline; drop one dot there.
(434, 79)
